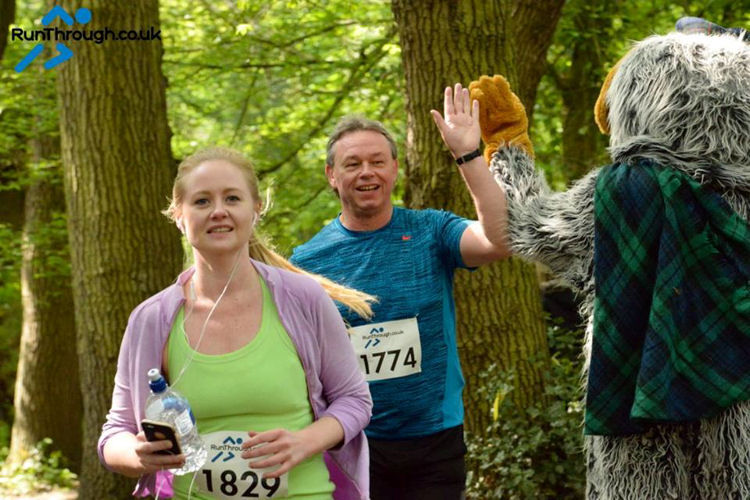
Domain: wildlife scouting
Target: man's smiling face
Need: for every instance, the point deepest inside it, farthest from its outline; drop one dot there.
(363, 173)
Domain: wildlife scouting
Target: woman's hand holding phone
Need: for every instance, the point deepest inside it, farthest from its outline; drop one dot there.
(156, 447)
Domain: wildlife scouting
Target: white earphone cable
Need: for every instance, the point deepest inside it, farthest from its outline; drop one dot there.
(205, 323)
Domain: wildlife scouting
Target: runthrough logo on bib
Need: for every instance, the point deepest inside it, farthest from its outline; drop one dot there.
(226, 449)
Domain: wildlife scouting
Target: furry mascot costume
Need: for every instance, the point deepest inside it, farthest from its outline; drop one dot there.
(658, 245)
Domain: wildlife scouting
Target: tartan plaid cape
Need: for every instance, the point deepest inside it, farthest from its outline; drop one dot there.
(672, 308)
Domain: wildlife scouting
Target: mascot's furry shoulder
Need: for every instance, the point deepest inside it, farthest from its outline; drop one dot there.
(658, 245)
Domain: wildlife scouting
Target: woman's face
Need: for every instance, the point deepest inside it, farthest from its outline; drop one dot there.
(218, 211)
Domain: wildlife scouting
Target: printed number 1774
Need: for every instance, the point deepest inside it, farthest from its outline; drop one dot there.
(374, 362)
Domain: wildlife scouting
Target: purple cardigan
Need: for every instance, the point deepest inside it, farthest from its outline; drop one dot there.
(335, 384)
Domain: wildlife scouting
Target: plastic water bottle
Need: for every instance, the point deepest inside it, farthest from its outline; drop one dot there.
(164, 404)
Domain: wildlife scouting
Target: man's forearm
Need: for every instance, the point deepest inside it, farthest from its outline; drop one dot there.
(489, 201)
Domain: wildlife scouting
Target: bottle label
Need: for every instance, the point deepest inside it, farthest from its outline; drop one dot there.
(226, 474)
(183, 423)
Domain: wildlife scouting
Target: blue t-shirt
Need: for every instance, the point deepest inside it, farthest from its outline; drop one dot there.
(408, 265)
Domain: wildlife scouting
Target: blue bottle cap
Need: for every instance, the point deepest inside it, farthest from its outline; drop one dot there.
(156, 382)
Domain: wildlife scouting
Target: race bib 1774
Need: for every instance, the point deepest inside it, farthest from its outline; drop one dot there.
(388, 350)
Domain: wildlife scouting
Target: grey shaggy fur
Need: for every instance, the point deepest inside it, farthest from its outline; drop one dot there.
(683, 101)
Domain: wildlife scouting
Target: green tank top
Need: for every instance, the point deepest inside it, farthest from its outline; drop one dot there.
(259, 387)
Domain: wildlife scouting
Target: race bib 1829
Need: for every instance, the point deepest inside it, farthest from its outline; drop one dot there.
(226, 474)
(388, 350)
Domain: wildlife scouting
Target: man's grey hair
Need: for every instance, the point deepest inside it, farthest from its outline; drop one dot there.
(350, 124)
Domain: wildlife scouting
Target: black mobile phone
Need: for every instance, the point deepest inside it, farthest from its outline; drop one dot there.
(158, 431)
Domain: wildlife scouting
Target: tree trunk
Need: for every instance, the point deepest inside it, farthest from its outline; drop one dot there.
(7, 17)
(499, 312)
(47, 397)
(118, 174)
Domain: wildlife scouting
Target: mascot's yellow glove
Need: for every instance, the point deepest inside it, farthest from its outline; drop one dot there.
(502, 117)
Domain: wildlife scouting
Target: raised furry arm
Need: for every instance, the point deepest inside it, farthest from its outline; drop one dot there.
(554, 228)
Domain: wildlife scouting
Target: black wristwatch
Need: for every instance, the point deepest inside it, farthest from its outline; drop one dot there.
(468, 157)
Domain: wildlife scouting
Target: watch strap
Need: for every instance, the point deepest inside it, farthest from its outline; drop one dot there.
(468, 157)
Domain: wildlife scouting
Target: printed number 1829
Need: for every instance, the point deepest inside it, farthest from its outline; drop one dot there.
(228, 484)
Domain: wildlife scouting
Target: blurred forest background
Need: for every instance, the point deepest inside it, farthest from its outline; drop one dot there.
(88, 150)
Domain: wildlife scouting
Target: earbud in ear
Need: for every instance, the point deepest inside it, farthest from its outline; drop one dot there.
(180, 226)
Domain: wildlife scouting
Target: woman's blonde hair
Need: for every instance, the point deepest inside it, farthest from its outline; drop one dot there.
(357, 301)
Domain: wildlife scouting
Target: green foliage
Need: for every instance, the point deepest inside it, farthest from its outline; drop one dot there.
(28, 106)
(578, 50)
(533, 452)
(271, 79)
(546, 134)
(51, 239)
(41, 471)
